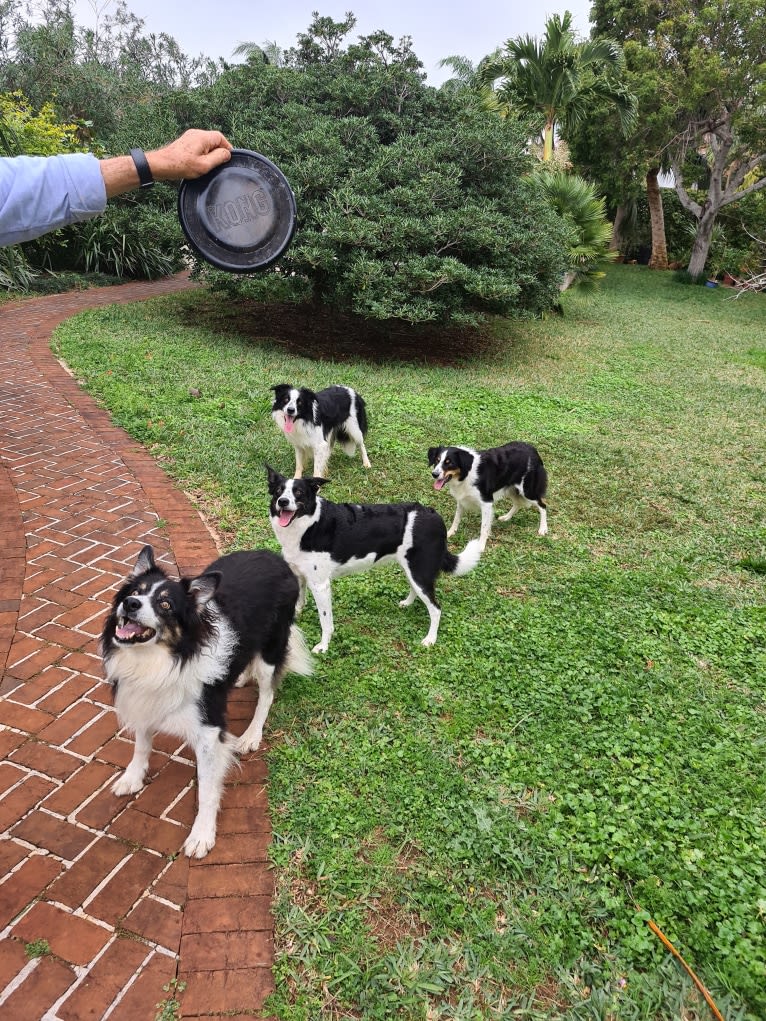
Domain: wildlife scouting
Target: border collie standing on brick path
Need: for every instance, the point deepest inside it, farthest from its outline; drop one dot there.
(321, 540)
(173, 649)
(312, 422)
(478, 478)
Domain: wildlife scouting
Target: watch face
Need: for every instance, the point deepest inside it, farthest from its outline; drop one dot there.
(241, 216)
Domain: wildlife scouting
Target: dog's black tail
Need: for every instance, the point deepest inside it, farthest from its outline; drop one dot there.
(463, 562)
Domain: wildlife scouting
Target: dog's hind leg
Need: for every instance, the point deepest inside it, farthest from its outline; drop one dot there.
(132, 780)
(425, 592)
(251, 738)
(516, 505)
(357, 438)
(543, 511)
(245, 677)
(214, 757)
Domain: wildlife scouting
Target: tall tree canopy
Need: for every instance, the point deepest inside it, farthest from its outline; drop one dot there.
(706, 84)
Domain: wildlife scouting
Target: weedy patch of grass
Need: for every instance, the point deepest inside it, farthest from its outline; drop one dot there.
(481, 829)
(37, 948)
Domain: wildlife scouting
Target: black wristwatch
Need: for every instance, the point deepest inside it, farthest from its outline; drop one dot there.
(142, 166)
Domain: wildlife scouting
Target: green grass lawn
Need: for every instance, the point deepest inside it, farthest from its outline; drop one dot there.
(481, 829)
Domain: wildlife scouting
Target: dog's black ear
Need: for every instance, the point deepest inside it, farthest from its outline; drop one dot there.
(145, 562)
(316, 482)
(204, 588)
(280, 386)
(463, 459)
(275, 479)
(434, 453)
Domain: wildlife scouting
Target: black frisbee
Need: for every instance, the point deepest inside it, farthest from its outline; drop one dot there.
(241, 216)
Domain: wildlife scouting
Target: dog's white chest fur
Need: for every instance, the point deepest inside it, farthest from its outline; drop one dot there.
(157, 692)
(303, 434)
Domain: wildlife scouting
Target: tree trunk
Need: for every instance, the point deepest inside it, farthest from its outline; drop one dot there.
(619, 218)
(701, 245)
(659, 256)
(548, 142)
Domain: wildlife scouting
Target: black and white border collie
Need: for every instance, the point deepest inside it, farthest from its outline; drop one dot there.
(478, 478)
(314, 421)
(321, 540)
(173, 649)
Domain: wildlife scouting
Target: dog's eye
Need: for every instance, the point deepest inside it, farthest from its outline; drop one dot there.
(164, 604)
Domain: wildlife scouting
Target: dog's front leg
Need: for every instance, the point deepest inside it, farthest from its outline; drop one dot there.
(214, 756)
(321, 458)
(298, 462)
(455, 521)
(323, 598)
(132, 780)
(487, 515)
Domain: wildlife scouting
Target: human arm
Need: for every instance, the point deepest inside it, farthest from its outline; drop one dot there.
(40, 194)
(192, 155)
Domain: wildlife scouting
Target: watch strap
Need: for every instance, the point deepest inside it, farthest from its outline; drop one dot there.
(145, 178)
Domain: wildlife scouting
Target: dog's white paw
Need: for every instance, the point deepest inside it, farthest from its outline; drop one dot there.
(127, 784)
(320, 647)
(199, 842)
(451, 532)
(241, 681)
(367, 463)
(428, 640)
(542, 531)
(252, 744)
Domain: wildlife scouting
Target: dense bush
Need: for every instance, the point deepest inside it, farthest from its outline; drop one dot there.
(411, 205)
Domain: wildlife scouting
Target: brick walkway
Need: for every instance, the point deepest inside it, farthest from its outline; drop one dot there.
(95, 875)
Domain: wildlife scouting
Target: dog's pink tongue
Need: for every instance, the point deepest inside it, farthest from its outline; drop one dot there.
(438, 483)
(288, 424)
(285, 517)
(128, 629)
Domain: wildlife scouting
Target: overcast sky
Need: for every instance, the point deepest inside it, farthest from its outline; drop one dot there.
(439, 28)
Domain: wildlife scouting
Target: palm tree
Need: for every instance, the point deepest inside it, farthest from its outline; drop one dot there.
(268, 52)
(577, 202)
(554, 80)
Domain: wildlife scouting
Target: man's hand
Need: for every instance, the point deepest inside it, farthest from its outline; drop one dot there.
(192, 155)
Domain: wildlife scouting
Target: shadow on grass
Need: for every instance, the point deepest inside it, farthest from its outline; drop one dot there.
(310, 331)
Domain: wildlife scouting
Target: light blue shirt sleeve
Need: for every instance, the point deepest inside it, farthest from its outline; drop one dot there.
(42, 193)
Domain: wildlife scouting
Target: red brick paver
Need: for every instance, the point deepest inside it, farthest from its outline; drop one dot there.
(95, 876)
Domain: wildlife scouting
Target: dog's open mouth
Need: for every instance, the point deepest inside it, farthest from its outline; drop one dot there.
(285, 517)
(439, 483)
(289, 423)
(132, 632)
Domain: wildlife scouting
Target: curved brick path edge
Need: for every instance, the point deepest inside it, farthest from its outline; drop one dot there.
(98, 877)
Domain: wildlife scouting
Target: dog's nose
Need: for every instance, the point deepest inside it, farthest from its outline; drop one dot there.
(282, 501)
(435, 473)
(132, 604)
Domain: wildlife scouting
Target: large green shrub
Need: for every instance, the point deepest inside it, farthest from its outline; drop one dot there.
(411, 205)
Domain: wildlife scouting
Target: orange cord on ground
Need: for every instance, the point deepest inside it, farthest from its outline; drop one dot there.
(698, 982)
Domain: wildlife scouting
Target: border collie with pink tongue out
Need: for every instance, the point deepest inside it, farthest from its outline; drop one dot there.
(321, 540)
(478, 478)
(174, 648)
(312, 422)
